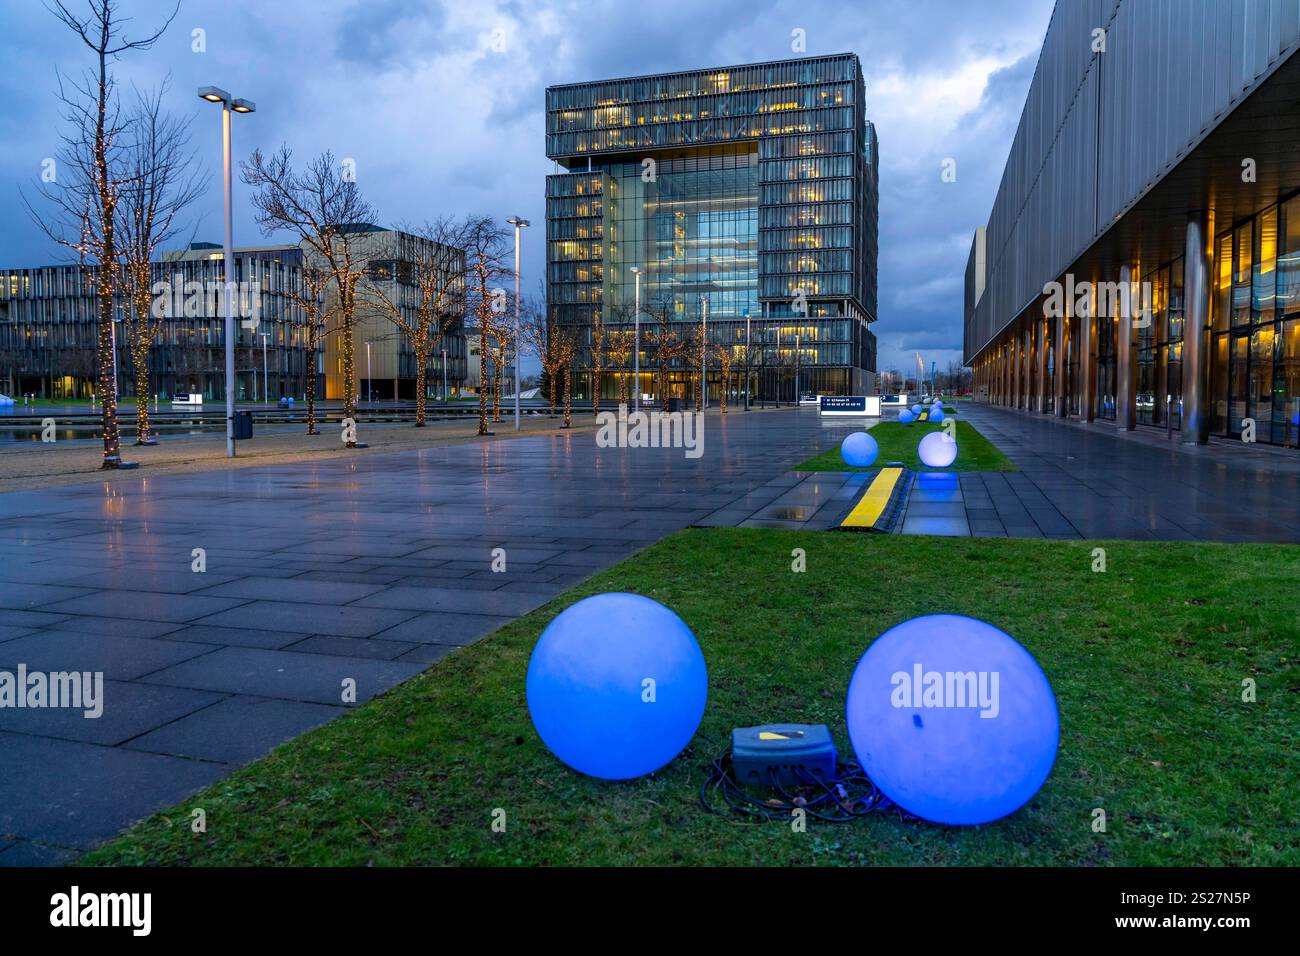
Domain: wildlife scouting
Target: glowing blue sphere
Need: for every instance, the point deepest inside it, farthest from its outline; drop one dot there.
(617, 686)
(917, 410)
(906, 416)
(952, 719)
(859, 450)
(937, 450)
(936, 412)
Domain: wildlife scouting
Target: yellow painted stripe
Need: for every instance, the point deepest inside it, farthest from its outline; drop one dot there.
(871, 505)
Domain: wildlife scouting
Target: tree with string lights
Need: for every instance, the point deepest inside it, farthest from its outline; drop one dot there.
(160, 184)
(323, 207)
(89, 178)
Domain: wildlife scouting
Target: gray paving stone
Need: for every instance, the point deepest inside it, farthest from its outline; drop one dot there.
(347, 621)
(24, 853)
(294, 589)
(369, 647)
(76, 794)
(497, 602)
(119, 658)
(144, 605)
(236, 730)
(444, 628)
(128, 709)
(285, 675)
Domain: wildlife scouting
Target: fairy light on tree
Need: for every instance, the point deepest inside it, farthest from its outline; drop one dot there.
(431, 260)
(86, 193)
(323, 206)
(158, 189)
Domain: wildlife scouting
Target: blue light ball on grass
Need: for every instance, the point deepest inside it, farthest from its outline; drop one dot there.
(936, 412)
(906, 416)
(617, 686)
(937, 450)
(953, 719)
(859, 450)
(917, 410)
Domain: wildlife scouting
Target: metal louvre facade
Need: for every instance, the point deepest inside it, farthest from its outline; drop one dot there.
(1100, 128)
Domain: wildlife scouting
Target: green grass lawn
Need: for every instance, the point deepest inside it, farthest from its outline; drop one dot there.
(1146, 659)
(898, 443)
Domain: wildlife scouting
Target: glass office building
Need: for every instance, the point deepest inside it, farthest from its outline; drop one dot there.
(1171, 173)
(742, 201)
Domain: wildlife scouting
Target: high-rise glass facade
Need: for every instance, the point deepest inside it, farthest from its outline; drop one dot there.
(746, 198)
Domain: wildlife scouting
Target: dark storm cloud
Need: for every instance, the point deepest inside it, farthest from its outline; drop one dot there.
(440, 106)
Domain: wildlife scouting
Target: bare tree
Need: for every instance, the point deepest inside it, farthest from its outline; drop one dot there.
(668, 346)
(160, 184)
(619, 343)
(88, 180)
(324, 208)
(542, 337)
(725, 354)
(565, 343)
(433, 262)
(485, 252)
(597, 358)
(310, 298)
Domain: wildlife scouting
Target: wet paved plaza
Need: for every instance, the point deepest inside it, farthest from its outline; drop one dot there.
(372, 568)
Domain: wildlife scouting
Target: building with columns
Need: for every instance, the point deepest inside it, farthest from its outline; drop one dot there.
(1141, 264)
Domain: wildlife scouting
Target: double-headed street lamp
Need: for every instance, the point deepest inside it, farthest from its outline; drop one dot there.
(636, 340)
(519, 223)
(229, 104)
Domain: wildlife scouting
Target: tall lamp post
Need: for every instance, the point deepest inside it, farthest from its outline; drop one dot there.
(370, 382)
(444, 376)
(749, 360)
(214, 94)
(519, 223)
(265, 390)
(636, 340)
(704, 355)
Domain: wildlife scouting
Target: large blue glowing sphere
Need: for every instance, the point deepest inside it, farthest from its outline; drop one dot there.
(917, 410)
(952, 719)
(937, 450)
(859, 450)
(617, 686)
(906, 416)
(936, 412)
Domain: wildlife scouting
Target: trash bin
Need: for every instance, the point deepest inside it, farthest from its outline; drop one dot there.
(243, 426)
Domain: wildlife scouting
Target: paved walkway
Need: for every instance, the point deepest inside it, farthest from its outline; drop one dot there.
(367, 568)
(1091, 481)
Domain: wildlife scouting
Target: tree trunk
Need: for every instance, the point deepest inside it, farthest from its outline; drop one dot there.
(349, 383)
(140, 358)
(496, 390)
(482, 380)
(726, 380)
(554, 384)
(311, 392)
(421, 376)
(568, 397)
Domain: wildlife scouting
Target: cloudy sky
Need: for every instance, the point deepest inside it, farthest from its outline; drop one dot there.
(440, 104)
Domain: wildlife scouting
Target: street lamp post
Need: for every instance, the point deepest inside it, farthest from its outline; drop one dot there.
(519, 223)
(265, 392)
(704, 355)
(749, 360)
(213, 94)
(444, 376)
(370, 382)
(636, 340)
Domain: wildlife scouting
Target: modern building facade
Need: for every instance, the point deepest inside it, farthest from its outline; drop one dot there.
(1141, 264)
(48, 329)
(742, 201)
